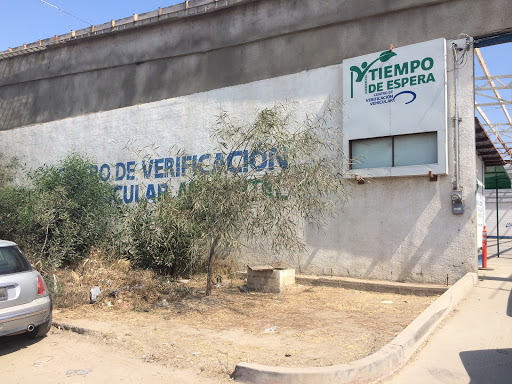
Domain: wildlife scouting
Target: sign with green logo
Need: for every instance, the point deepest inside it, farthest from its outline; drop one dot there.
(396, 92)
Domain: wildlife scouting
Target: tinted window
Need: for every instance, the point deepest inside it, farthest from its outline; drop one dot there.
(372, 153)
(416, 149)
(12, 261)
(395, 151)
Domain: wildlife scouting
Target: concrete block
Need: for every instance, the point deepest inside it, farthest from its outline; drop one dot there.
(268, 279)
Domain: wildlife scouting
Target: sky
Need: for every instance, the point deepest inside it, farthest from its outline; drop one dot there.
(27, 21)
(498, 59)
(499, 62)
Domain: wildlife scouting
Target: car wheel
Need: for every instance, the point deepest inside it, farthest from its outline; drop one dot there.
(41, 330)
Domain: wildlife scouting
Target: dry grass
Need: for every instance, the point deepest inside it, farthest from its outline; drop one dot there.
(118, 283)
(175, 324)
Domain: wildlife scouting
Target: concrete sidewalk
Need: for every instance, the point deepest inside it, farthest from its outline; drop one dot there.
(474, 344)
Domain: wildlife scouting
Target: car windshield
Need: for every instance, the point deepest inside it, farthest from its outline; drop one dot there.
(12, 261)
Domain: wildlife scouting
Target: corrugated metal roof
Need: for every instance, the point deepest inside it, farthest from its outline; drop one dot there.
(485, 148)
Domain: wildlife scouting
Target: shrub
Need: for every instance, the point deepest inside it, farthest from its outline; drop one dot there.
(65, 211)
(161, 239)
(15, 209)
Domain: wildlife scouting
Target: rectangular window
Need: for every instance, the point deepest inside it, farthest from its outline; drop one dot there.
(417, 149)
(372, 153)
(12, 261)
(394, 151)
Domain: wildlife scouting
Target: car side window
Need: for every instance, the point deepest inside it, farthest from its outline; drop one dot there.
(12, 261)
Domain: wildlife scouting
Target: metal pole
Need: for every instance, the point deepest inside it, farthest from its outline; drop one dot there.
(497, 215)
(484, 248)
(456, 118)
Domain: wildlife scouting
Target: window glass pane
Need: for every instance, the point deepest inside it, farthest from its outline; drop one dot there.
(420, 148)
(12, 261)
(372, 153)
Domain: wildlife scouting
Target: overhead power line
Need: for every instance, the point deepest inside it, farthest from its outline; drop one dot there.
(60, 9)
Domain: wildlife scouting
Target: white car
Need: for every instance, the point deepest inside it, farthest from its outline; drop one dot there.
(25, 304)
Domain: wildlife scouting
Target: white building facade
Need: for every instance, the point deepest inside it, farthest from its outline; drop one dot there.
(398, 123)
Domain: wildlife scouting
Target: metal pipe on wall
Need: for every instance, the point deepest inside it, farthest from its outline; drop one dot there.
(457, 182)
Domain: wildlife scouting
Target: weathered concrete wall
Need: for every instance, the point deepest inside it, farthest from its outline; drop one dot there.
(403, 229)
(250, 41)
(121, 95)
(158, 129)
(392, 228)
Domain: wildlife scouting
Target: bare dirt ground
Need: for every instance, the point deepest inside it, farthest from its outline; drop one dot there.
(67, 358)
(207, 337)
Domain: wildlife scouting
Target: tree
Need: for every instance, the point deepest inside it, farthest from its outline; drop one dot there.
(264, 181)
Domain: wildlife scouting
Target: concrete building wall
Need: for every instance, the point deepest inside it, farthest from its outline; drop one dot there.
(403, 228)
(160, 128)
(131, 95)
(243, 42)
(392, 228)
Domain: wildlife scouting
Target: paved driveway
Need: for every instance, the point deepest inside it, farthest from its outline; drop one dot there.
(474, 344)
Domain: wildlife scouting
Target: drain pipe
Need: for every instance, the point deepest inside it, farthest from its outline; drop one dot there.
(454, 45)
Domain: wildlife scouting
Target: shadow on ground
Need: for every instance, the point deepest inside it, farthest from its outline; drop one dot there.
(11, 344)
(488, 365)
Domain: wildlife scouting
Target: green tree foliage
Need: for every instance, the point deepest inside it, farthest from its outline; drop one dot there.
(65, 211)
(226, 201)
(159, 237)
(6, 171)
(15, 211)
